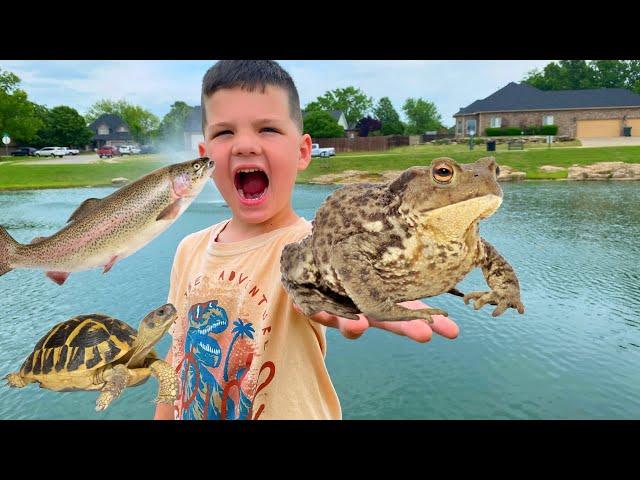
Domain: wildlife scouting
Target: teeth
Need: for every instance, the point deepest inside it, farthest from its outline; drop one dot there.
(249, 170)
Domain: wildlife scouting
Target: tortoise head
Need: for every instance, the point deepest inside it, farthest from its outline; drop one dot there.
(156, 324)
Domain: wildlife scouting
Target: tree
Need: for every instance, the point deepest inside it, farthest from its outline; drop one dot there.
(142, 123)
(565, 75)
(366, 125)
(422, 114)
(391, 123)
(353, 102)
(320, 124)
(18, 116)
(171, 128)
(579, 74)
(63, 126)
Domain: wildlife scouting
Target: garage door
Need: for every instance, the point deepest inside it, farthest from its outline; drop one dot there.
(599, 128)
(634, 123)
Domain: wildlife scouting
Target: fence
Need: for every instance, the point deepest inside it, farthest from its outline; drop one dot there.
(363, 143)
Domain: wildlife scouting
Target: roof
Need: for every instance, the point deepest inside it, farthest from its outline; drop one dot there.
(520, 96)
(193, 123)
(112, 120)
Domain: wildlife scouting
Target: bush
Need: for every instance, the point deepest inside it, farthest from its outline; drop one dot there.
(501, 132)
(549, 130)
(532, 130)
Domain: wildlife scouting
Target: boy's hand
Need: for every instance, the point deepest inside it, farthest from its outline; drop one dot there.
(417, 330)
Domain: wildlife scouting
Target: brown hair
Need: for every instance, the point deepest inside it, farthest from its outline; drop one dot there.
(250, 75)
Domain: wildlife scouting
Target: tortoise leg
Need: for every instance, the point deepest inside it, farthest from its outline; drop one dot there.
(15, 380)
(167, 380)
(117, 379)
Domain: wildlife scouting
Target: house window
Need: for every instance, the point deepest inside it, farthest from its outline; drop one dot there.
(547, 120)
(459, 126)
(103, 130)
(471, 127)
(121, 128)
(496, 122)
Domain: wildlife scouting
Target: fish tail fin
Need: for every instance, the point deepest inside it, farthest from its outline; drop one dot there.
(8, 247)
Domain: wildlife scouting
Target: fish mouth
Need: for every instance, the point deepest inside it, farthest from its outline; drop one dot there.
(251, 183)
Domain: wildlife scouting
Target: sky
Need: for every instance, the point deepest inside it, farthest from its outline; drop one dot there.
(156, 84)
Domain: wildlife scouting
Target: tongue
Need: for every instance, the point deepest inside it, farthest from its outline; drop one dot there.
(253, 183)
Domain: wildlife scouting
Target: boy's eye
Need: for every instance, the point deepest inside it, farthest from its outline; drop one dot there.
(222, 132)
(269, 129)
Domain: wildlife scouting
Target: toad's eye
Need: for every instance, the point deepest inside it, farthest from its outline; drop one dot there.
(442, 173)
(497, 171)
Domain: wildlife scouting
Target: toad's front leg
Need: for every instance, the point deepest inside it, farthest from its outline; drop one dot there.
(505, 288)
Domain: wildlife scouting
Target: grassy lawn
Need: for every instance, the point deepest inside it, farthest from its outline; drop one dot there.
(528, 160)
(15, 174)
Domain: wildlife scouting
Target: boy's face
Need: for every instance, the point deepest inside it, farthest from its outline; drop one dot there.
(257, 150)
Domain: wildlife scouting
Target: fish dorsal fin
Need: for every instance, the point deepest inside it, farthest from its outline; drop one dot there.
(86, 206)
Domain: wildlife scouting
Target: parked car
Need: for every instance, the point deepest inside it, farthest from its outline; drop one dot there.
(52, 152)
(24, 152)
(148, 149)
(108, 151)
(129, 150)
(73, 151)
(316, 151)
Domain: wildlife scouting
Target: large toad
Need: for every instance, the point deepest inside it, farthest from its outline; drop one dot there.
(375, 245)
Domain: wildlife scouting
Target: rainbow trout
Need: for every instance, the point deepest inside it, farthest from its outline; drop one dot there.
(103, 231)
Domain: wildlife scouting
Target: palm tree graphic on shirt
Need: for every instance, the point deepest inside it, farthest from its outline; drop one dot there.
(240, 330)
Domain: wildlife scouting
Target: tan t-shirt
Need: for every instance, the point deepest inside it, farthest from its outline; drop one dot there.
(240, 349)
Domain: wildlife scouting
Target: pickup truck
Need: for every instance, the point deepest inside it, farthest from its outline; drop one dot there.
(316, 151)
(108, 151)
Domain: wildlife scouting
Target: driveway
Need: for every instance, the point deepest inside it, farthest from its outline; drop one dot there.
(609, 141)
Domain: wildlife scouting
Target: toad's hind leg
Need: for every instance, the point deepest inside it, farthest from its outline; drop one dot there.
(301, 280)
(369, 291)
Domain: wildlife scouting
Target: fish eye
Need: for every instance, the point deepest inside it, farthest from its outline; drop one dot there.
(442, 173)
(196, 166)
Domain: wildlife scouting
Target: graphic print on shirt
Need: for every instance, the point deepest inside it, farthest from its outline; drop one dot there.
(219, 360)
(203, 395)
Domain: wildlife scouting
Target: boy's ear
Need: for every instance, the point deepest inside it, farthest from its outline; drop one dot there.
(305, 152)
(202, 150)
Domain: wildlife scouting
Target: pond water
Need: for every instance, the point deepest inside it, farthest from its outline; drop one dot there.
(574, 354)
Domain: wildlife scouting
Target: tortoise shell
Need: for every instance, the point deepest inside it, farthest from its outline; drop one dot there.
(85, 342)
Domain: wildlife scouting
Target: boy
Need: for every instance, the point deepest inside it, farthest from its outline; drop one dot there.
(240, 347)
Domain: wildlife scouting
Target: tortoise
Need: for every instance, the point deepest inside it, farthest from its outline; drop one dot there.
(98, 352)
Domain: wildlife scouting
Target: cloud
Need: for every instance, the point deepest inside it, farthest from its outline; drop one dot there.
(155, 85)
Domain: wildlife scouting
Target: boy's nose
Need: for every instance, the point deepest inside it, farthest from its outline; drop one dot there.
(245, 145)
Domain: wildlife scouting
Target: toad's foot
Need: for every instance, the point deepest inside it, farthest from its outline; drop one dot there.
(508, 300)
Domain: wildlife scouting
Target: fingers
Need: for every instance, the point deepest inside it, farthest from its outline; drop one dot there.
(417, 330)
(350, 329)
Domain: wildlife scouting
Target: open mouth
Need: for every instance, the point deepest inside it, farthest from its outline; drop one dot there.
(251, 183)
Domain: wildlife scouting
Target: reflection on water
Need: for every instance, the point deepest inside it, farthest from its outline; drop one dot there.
(574, 354)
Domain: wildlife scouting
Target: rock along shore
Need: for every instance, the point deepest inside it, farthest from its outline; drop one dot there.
(597, 171)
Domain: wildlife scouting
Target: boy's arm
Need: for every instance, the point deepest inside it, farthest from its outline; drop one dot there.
(164, 411)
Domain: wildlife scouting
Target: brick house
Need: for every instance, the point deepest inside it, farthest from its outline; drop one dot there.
(585, 113)
(110, 129)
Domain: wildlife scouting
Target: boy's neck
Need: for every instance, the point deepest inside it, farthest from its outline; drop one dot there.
(236, 230)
